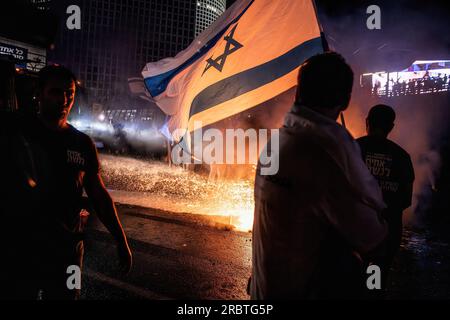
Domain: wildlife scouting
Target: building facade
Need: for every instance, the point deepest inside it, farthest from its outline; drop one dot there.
(207, 12)
(117, 38)
(25, 55)
(41, 4)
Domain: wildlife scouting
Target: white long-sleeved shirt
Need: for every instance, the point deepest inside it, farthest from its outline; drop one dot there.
(310, 216)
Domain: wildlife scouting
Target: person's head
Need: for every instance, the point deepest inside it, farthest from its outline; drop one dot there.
(325, 83)
(56, 93)
(380, 120)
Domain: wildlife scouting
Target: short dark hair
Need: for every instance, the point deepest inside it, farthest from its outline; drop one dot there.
(54, 71)
(324, 80)
(382, 117)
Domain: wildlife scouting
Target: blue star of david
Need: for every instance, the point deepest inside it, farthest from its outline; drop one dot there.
(231, 46)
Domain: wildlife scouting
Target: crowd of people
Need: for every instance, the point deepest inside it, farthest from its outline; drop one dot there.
(426, 84)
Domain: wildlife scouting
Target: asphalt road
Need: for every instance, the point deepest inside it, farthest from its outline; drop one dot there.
(176, 256)
(185, 256)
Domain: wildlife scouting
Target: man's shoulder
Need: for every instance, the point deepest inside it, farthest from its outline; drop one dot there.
(362, 139)
(81, 136)
(301, 144)
(398, 150)
(304, 152)
(382, 143)
(85, 146)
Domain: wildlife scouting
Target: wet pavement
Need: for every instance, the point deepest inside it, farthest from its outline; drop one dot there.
(176, 256)
(184, 256)
(421, 269)
(181, 252)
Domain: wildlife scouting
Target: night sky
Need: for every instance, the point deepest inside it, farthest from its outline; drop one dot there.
(410, 30)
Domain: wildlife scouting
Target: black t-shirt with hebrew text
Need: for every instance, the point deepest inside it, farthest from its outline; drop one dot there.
(60, 160)
(392, 167)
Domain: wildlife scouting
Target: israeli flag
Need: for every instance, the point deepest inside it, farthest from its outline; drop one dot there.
(249, 55)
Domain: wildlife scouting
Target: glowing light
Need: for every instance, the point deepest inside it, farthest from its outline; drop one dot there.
(100, 126)
(156, 185)
(86, 125)
(77, 124)
(101, 117)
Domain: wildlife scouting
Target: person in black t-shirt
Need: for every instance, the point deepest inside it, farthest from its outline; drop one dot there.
(54, 163)
(392, 167)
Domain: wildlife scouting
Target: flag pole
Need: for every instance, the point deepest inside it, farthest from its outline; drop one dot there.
(342, 119)
(325, 47)
(322, 34)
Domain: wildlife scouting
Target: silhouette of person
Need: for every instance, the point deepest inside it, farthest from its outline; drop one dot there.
(8, 101)
(391, 165)
(15, 262)
(321, 210)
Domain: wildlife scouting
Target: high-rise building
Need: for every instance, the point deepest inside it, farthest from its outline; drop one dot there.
(41, 4)
(117, 38)
(207, 12)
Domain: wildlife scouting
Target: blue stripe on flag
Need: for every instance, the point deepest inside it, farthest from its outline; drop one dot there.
(256, 77)
(158, 84)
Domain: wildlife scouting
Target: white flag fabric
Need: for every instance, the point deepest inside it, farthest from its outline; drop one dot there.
(137, 88)
(248, 56)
